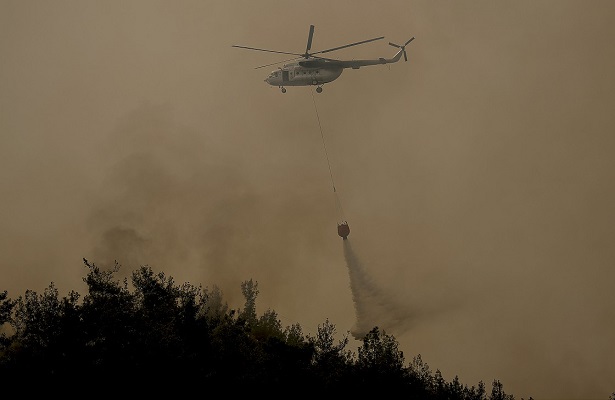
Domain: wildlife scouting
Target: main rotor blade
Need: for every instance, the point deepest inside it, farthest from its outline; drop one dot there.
(279, 62)
(269, 51)
(324, 58)
(348, 45)
(309, 42)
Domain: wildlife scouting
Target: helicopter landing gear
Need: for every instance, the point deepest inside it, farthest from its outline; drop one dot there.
(319, 89)
(283, 90)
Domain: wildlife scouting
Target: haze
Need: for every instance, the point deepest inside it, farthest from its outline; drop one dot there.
(477, 178)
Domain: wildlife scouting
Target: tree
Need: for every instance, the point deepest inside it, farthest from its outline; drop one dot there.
(110, 324)
(249, 289)
(332, 364)
(478, 393)
(380, 361)
(497, 392)
(6, 310)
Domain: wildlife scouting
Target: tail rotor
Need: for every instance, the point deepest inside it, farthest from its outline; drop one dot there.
(403, 48)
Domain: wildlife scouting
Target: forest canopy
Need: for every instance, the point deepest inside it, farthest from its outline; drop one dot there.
(155, 329)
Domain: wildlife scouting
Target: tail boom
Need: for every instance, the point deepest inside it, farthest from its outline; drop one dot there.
(356, 64)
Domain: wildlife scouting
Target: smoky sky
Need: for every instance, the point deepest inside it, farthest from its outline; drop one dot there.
(477, 178)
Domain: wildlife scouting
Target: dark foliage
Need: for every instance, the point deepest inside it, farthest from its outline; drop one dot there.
(157, 335)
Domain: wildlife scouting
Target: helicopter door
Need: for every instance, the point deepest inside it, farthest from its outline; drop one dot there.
(284, 75)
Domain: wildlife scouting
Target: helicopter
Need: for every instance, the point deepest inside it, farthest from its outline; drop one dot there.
(313, 70)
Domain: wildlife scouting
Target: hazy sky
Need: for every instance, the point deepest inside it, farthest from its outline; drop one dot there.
(477, 178)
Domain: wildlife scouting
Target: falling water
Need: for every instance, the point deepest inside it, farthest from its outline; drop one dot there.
(373, 306)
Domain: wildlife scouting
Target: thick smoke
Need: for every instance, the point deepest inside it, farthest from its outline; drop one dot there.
(175, 201)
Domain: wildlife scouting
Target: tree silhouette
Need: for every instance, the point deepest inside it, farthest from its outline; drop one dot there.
(151, 331)
(380, 362)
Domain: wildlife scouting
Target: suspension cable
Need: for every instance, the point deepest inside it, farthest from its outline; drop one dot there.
(337, 200)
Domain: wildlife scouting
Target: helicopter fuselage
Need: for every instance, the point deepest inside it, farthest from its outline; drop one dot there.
(297, 75)
(317, 70)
